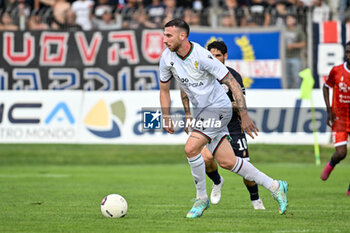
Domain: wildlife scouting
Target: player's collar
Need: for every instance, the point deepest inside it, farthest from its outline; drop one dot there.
(346, 67)
(188, 53)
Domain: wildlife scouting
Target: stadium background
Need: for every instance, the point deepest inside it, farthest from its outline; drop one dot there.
(71, 104)
(77, 77)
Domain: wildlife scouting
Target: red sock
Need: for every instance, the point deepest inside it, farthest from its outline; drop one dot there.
(326, 171)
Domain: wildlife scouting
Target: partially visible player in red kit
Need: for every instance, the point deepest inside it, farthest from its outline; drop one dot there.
(338, 114)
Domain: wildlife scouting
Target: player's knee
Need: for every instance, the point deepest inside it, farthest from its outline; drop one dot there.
(191, 151)
(341, 152)
(226, 164)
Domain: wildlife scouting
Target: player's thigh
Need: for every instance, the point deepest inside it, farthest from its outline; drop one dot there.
(339, 138)
(195, 143)
(225, 155)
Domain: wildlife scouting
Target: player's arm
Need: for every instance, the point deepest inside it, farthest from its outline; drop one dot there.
(165, 104)
(165, 77)
(238, 78)
(186, 105)
(330, 82)
(331, 116)
(246, 123)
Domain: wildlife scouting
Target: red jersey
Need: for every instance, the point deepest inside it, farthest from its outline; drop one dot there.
(339, 80)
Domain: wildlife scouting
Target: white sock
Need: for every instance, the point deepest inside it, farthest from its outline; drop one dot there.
(249, 172)
(198, 172)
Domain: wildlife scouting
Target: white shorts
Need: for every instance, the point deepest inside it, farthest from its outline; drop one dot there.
(214, 125)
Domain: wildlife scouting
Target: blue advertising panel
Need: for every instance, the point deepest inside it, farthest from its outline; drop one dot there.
(255, 55)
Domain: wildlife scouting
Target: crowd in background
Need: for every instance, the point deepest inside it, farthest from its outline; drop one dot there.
(125, 14)
(73, 15)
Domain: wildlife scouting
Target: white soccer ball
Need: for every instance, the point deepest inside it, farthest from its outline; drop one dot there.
(114, 206)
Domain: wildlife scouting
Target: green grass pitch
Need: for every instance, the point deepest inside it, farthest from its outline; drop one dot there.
(58, 188)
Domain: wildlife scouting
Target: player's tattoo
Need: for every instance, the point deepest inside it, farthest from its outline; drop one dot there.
(194, 137)
(185, 102)
(236, 91)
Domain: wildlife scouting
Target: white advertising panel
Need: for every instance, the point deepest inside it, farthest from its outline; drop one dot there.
(118, 117)
(40, 116)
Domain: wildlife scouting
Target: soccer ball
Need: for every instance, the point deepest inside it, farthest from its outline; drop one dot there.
(114, 206)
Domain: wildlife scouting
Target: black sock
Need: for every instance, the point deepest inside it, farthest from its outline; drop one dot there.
(254, 193)
(349, 188)
(332, 163)
(214, 176)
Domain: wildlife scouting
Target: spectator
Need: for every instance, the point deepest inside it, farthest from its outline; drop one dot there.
(60, 10)
(279, 13)
(35, 22)
(233, 14)
(197, 5)
(321, 11)
(6, 23)
(192, 17)
(343, 7)
(295, 41)
(155, 12)
(130, 13)
(82, 10)
(19, 11)
(70, 23)
(259, 13)
(107, 22)
(171, 10)
(195, 18)
(101, 5)
(307, 3)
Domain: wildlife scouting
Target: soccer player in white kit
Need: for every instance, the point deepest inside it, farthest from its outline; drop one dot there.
(196, 70)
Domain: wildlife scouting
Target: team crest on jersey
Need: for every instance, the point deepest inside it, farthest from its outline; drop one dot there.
(196, 64)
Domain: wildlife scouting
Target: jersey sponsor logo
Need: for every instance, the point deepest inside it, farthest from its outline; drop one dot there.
(185, 81)
(102, 120)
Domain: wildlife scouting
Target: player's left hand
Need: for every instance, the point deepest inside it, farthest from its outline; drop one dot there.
(248, 125)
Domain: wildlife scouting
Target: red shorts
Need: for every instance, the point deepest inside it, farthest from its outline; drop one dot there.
(340, 138)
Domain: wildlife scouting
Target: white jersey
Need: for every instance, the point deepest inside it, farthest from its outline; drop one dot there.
(197, 74)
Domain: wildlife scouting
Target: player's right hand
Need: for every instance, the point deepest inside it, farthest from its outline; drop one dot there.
(331, 118)
(188, 118)
(248, 125)
(168, 125)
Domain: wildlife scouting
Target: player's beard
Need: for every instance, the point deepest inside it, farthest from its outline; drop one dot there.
(175, 47)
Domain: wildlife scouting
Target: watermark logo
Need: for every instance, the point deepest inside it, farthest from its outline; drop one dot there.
(152, 120)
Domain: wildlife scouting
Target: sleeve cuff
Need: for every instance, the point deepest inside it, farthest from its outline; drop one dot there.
(166, 80)
(225, 77)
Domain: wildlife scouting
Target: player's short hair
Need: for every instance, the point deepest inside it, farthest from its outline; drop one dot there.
(219, 45)
(180, 23)
(347, 43)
